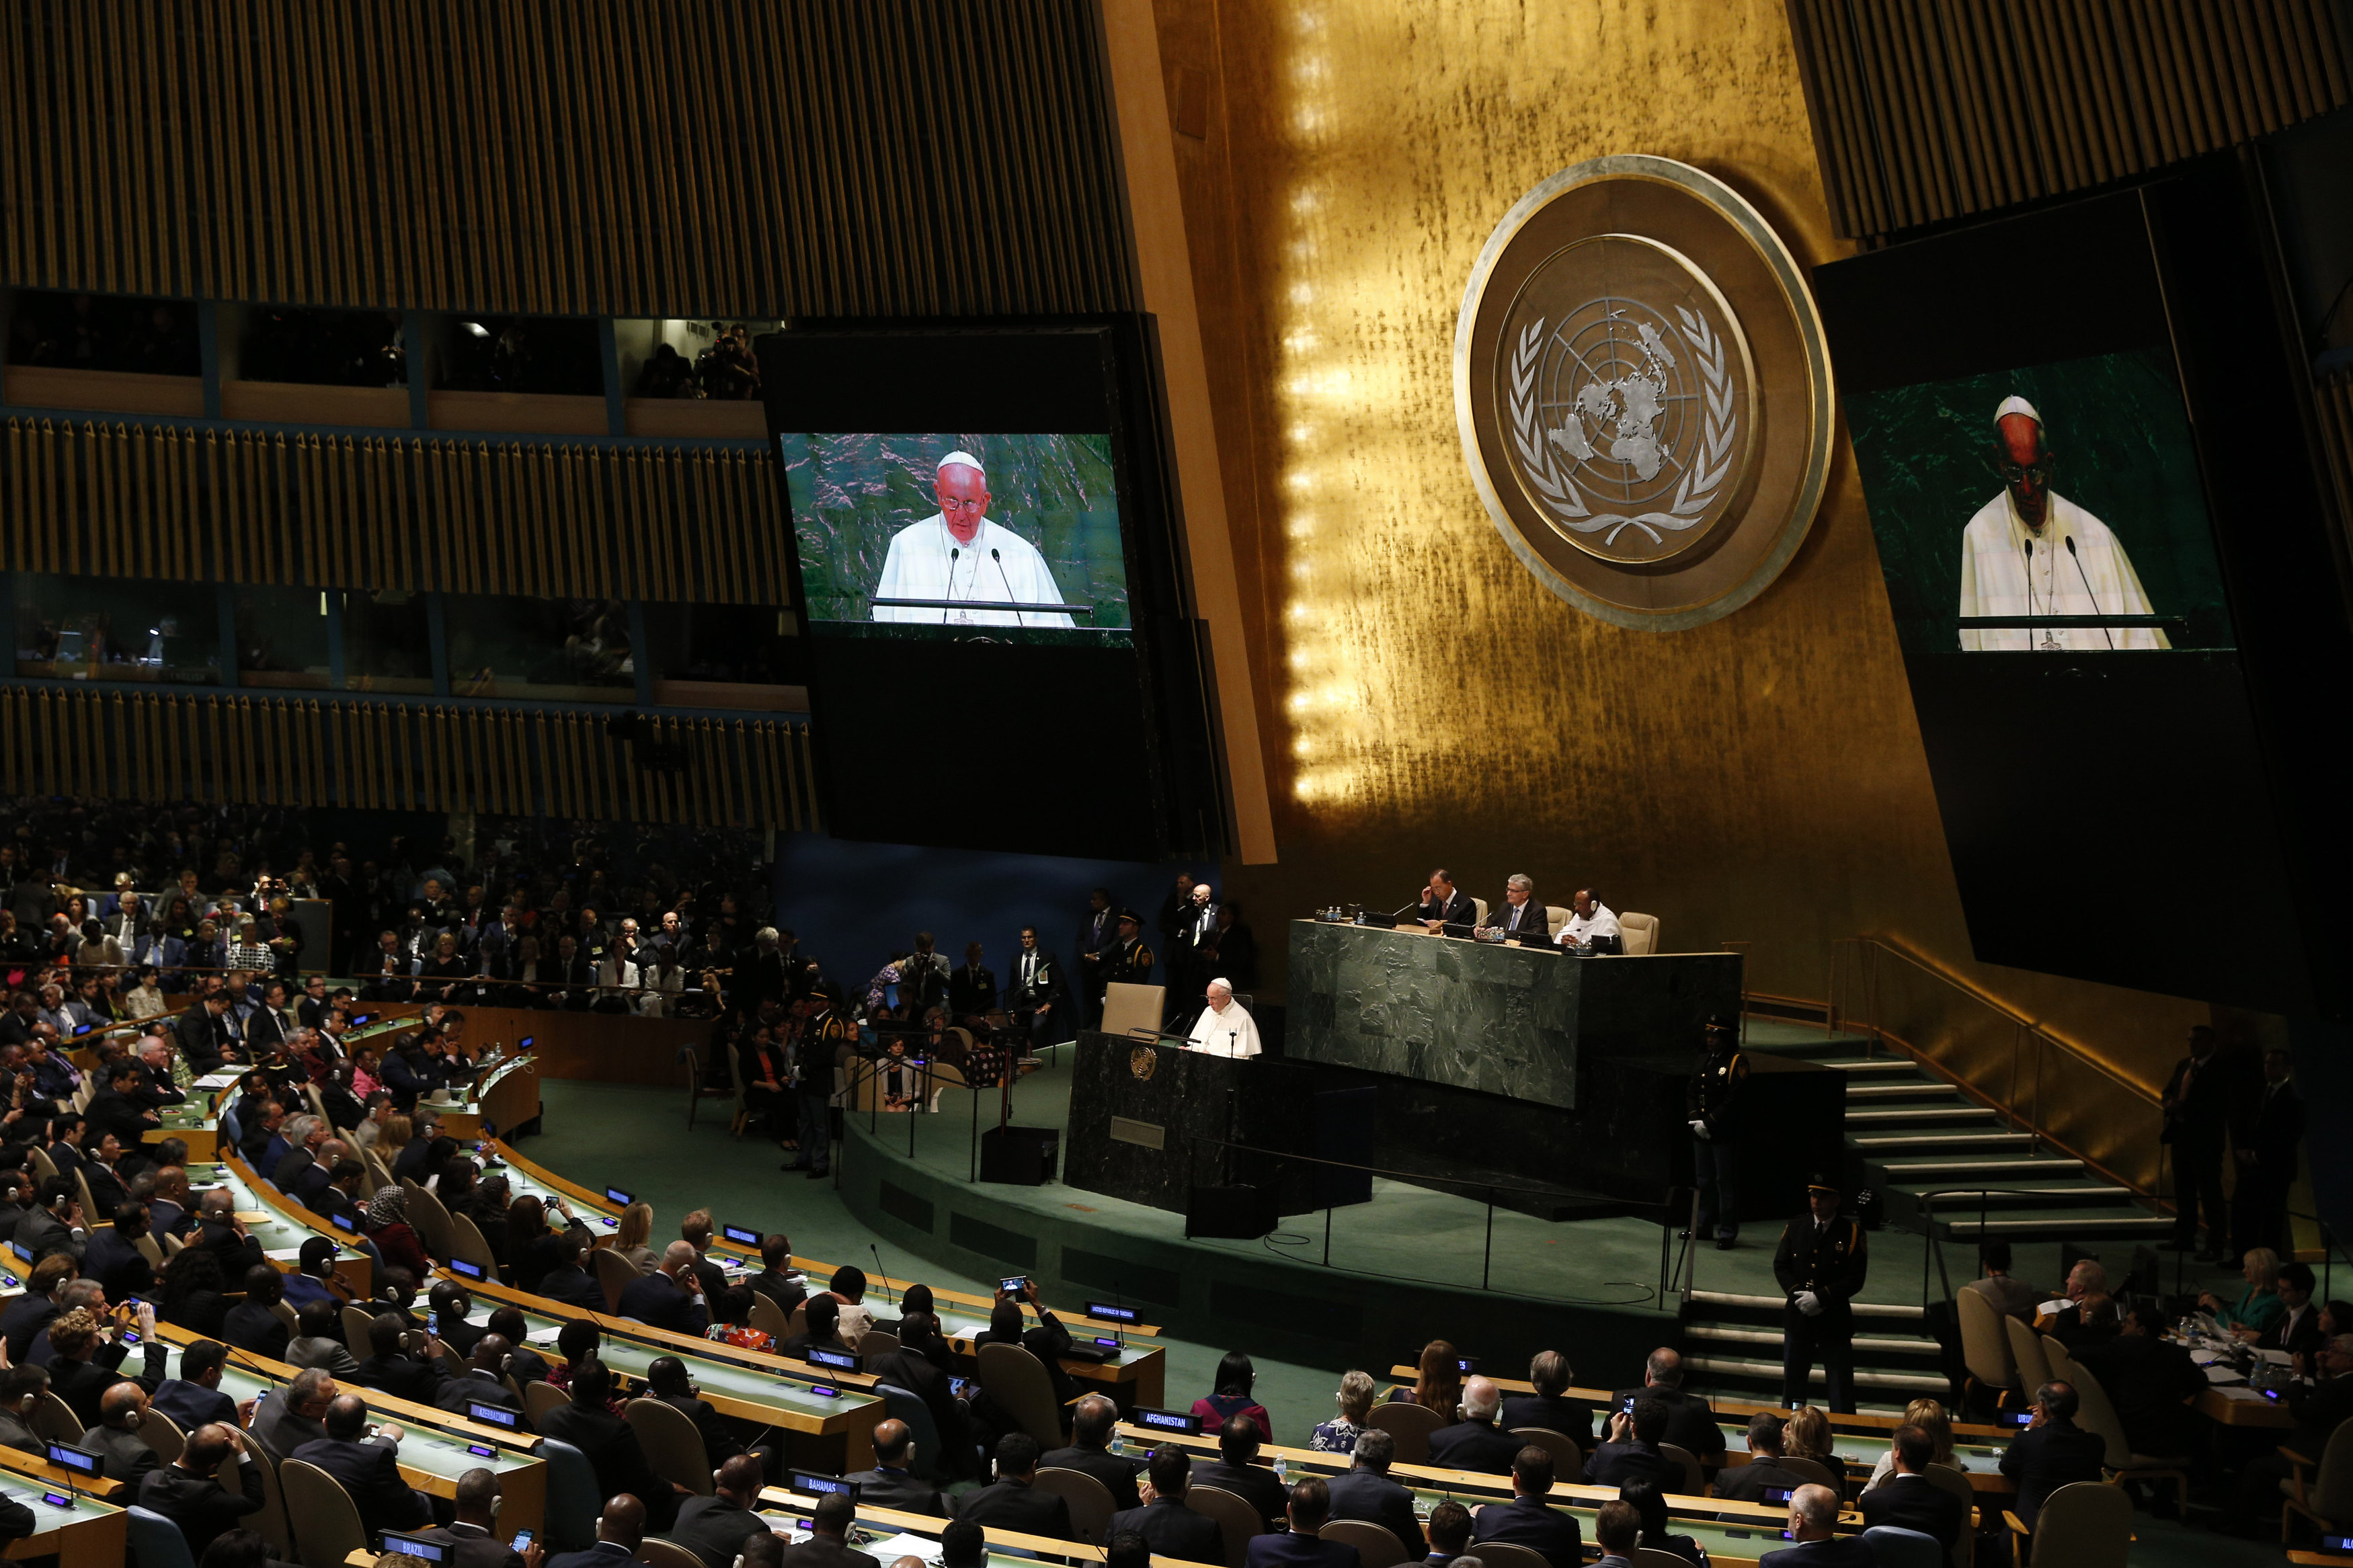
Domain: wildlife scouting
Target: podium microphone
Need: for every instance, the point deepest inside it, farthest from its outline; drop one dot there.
(955, 554)
(2087, 588)
(1001, 577)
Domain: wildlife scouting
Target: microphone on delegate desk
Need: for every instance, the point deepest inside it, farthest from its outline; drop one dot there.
(882, 1279)
(2087, 588)
(1001, 577)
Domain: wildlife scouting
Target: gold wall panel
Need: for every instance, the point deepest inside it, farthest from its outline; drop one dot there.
(697, 525)
(1937, 109)
(220, 748)
(1758, 778)
(618, 157)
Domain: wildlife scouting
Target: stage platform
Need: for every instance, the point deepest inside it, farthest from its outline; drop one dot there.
(1406, 1267)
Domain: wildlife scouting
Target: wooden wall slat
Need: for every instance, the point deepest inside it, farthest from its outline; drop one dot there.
(1918, 111)
(552, 155)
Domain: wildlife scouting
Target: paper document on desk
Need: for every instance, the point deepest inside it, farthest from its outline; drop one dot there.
(545, 1336)
(216, 1080)
(2243, 1392)
(903, 1546)
(782, 1524)
(2205, 1358)
(2220, 1373)
(2276, 1358)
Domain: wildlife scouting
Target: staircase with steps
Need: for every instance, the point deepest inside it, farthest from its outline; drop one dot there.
(1914, 1135)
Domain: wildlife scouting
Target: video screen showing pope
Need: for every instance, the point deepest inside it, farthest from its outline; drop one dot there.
(2031, 553)
(2052, 508)
(1012, 534)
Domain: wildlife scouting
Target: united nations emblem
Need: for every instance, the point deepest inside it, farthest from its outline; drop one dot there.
(1144, 1061)
(1630, 332)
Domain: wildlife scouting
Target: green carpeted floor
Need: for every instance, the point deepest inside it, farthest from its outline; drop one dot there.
(637, 1138)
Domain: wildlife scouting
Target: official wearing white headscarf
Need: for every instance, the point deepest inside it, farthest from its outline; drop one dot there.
(1224, 1028)
(959, 554)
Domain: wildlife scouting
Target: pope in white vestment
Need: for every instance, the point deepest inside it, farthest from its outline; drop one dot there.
(2014, 565)
(1224, 1028)
(959, 554)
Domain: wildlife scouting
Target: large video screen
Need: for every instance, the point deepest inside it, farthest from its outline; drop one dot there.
(2045, 508)
(920, 534)
(2039, 472)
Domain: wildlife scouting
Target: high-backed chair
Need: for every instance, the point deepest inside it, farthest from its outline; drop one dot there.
(1018, 1384)
(1506, 1555)
(273, 1523)
(656, 1552)
(331, 1522)
(1376, 1546)
(2026, 1354)
(1949, 1479)
(429, 1218)
(1127, 1006)
(905, 1404)
(1090, 1500)
(155, 1542)
(878, 1342)
(2097, 1414)
(468, 1245)
(149, 1249)
(2319, 1490)
(1410, 1425)
(1237, 1519)
(615, 1273)
(357, 1323)
(1814, 1470)
(2083, 1524)
(1896, 1547)
(697, 1092)
(1567, 1457)
(1638, 933)
(286, 1315)
(1985, 1347)
(540, 1396)
(162, 1435)
(572, 1498)
(54, 1419)
(1556, 916)
(1694, 1481)
(673, 1443)
(1480, 904)
(769, 1318)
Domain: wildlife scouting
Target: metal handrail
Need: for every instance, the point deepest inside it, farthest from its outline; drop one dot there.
(1971, 993)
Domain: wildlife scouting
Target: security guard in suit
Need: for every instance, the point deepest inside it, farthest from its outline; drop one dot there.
(813, 1064)
(1712, 1103)
(1820, 1265)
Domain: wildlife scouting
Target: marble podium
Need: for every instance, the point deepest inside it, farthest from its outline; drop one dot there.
(1512, 1021)
(1149, 1120)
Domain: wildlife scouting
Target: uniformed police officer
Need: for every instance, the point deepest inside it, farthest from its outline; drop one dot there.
(1712, 1103)
(813, 1065)
(1820, 1265)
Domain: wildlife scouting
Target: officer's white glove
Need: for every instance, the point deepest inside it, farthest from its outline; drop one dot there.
(1699, 1128)
(1808, 1304)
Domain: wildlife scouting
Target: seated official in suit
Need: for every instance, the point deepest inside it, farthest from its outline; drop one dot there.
(390, 1368)
(1763, 1472)
(252, 1325)
(672, 1296)
(667, 1379)
(1366, 1493)
(295, 1414)
(1527, 1519)
(1443, 904)
(1692, 1425)
(893, 1482)
(610, 1444)
(827, 1545)
(2148, 1378)
(1309, 1505)
(1813, 1513)
(715, 1528)
(2052, 1451)
(1450, 1533)
(189, 1491)
(620, 1531)
(120, 1410)
(1013, 1502)
(367, 1467)
(1170, 1528)
(483, 1381)
(1618, 1527)
(1090, 1452)
(193, 1398)
(1632, 1454)
(1549, 1405)
(1475, 1442)
(1237, 1445)
(2296, 1330)
(469, 1537)
(1909, 1500)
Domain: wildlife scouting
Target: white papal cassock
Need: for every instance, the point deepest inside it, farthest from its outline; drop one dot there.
(1999, 577)
(1232, 1033)
(927, 563)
